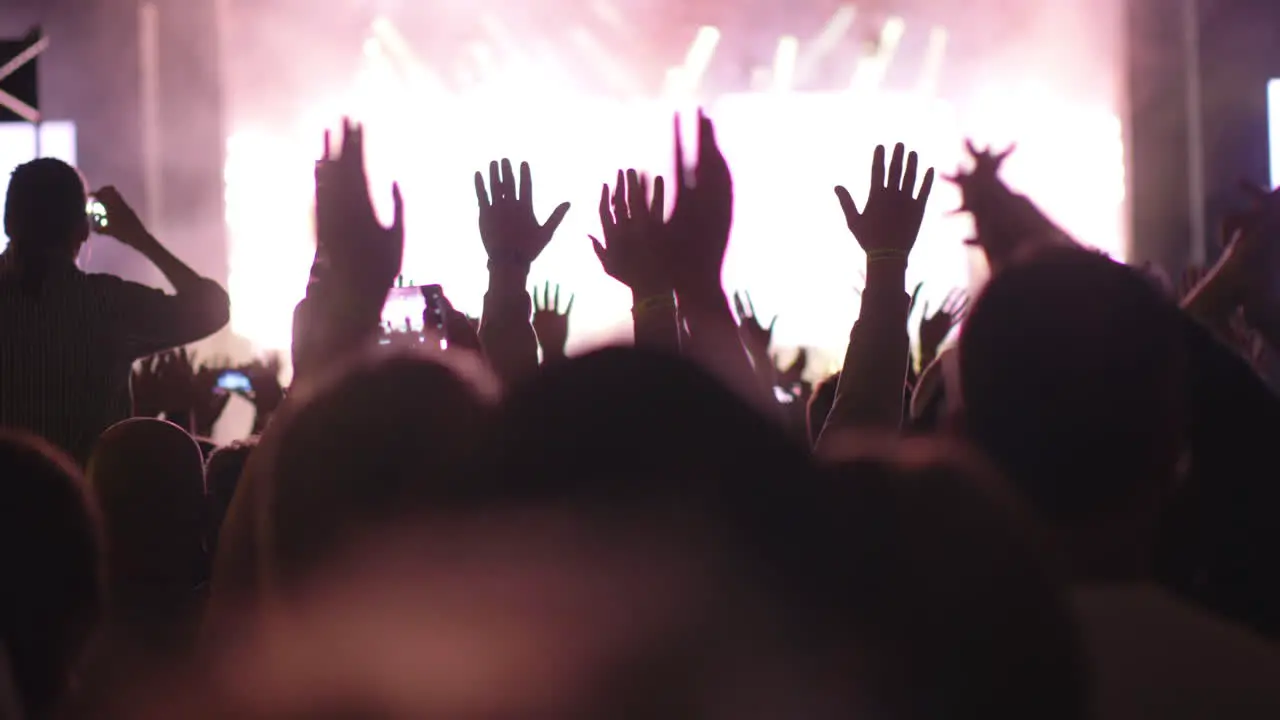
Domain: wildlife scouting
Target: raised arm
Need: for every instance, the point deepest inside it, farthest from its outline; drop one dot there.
(513, 239)
(875, 365)
(634, 253)
(698, 236)
(357, 261)
(154, 320)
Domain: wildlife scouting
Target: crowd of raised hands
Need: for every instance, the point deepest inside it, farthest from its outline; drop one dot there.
(1057, 504)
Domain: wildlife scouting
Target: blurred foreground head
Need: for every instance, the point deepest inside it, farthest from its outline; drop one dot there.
(550, 610)
(375, 442)
(50, 562)
(954, 608)
(1072, 372)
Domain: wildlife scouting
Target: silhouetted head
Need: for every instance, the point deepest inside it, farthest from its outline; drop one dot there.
(222, 474)
(391, 435)
(1072, 372)
(44, 215)
(50, 562)
(950, 601)
(148, 478)
(626, 422)
(824, 396)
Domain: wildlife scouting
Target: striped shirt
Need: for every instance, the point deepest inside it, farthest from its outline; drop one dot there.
(66, 353)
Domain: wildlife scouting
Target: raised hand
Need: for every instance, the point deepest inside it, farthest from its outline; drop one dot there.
(267, 393)
(461, 330)
(915, 298)
(359, 251)
(151, 385)
(984, 178)
(549, 323)
(208, 401)
(702, 217)
(889, 222)
(935, 328)
(634, 251)
(508, 227)
(123, 223)
(755, 337)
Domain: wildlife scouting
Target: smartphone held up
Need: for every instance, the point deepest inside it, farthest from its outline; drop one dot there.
(97, 213)
(414, 314)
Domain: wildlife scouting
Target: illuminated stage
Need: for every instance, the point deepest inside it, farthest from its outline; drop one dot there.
(790, 134)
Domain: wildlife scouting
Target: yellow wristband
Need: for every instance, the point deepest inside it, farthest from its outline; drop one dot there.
(656, 302)
(879, 255)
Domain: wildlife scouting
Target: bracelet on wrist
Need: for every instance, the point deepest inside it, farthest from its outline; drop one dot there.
(654, 302)
(886, 255)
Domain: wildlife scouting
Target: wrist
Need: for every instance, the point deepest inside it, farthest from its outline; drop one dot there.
(655, 298)
(508, 272)
(885, 273)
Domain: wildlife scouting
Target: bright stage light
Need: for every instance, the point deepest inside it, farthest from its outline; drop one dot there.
(699, 57)
(871, 70)
(18, 145)
(790, 247)
(784, 63)
(934, 55)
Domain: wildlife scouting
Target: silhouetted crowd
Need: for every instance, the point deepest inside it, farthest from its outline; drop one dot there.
(1060, 503)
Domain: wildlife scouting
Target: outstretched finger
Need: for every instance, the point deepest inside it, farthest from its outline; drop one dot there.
(681, 177)
(877, 168)
(537, 306)
(495, 182)
(909, 176)
(569, 308)
(894, 181)
(508, 181)
(851, 214)
(600, 252)
(636, 201)
(926, 187)
(397, 210)
(750, 305)
(525, 192)
(737, 305)
(915, 297)
(772, 323)
(620, 210)
(658, 209)
(557, 216)
(606, 213)
(556, 305)
(482, 195)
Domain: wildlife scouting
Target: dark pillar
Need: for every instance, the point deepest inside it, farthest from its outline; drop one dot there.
(1159, 134)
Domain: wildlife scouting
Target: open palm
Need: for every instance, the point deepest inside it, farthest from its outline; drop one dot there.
(890, 219)
(508, 227)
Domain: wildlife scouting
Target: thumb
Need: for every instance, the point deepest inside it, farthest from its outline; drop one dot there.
(397, 200)
(595, 244)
